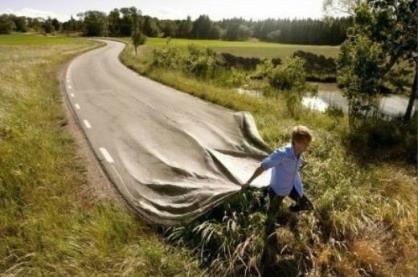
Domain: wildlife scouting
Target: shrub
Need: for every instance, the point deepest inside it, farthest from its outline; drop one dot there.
(200, 62)
(288, 76)
(167, 57)
(318, 67)
(233, 78)
(203, 63)
(240, 62)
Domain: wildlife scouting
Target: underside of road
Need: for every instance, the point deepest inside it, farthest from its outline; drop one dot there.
(170, 155)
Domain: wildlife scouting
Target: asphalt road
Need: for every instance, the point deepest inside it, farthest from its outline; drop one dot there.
(170, 155)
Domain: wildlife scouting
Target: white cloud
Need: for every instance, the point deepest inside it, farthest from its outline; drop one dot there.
(36, 13)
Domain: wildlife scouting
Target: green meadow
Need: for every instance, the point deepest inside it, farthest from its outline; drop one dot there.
(247, 48)
(38, 39)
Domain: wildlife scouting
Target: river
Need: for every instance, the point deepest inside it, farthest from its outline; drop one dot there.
(329, 95)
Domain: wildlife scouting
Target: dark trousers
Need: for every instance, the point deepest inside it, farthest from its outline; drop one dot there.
(302, 203)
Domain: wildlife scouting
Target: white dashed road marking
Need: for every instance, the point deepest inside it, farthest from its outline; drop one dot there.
(106, 155)
(87, 123)
(77, 106)
(72, 94)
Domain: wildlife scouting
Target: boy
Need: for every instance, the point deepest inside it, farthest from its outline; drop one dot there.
(285, 178)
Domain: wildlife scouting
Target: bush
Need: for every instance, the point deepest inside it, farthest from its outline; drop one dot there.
(233, 78)
(167, 57)
(200, 62)
(318, 67)
(240, 62)
(288, 76)
(293, 103)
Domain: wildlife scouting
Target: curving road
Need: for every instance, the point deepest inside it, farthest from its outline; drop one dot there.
(171, 156)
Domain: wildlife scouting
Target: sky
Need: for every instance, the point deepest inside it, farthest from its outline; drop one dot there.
(174, 9)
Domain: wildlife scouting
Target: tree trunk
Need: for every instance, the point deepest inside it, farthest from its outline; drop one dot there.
(413, 96)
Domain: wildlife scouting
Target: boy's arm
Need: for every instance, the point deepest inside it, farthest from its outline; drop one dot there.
(256, 173)
(270, 161)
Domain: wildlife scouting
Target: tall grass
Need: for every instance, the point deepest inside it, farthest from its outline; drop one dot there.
(364, 223)
(47, 228)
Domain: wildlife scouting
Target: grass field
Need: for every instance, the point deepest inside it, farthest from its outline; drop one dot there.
(49, 225)
(248, 48)
(365, 218)
(38, 39)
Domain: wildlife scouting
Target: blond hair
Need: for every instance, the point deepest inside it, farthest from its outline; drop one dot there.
(301, 133)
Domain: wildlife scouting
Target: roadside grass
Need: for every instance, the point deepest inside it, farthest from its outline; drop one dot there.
(365, 219)
(246, 48)
(46, 226)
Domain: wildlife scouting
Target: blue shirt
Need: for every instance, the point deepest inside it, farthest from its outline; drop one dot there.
(285, 170)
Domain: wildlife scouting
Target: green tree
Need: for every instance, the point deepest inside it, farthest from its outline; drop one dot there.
(290, 79)
(202, 27)
(237, 32)
(48, 27)
(150, 27)
(288, 76)
(21, 24)
(6, 24)
(72, 25)
(359, 62)
(215, 32)
(383, 38)
(34, 24)
(114, 22)
(137, 37)
(56, 24)
(95, 23)
(185, 28)
(168, 28)
(126, 24)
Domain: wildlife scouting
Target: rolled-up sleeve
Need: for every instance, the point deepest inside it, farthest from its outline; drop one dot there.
(273, 159)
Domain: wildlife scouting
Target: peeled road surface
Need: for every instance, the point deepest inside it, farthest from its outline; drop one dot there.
(170, 155)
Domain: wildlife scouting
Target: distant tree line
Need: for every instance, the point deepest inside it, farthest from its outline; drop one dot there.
(13, 23)
(119, 22)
